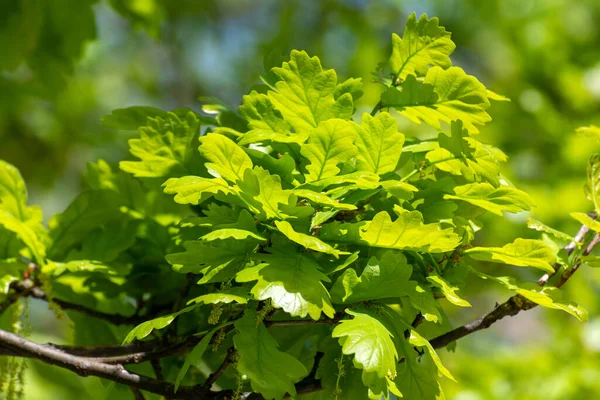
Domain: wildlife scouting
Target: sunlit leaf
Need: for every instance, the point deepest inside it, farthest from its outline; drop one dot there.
(305, 94)
(521, 253)
(423, 44)
(379, 144)
(330, 144)
(293, 282)
(495, 200)
(445, 95)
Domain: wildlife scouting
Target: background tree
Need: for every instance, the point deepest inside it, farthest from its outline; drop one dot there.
(60, 82)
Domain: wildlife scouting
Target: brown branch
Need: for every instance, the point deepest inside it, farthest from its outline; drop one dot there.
(133, 353)
(90, 367)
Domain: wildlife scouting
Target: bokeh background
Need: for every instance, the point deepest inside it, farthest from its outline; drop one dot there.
(66, 63)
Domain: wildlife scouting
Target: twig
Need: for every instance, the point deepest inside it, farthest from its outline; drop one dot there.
(513, 305)
(183, 293)
(157, 369)
(137, 394)
(565, 277)
(134, 353)
(212, 378)
(377, 107)
(583, 231)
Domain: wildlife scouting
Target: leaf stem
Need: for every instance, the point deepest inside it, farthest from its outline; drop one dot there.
(377, 108)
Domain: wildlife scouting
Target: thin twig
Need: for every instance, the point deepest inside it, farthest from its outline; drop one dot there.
(212, 378)
(137, 395)
(570, 248)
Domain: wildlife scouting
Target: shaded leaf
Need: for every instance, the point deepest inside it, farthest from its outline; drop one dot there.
(272, 372)
(165, 148)
(385, 278)
(371, 343)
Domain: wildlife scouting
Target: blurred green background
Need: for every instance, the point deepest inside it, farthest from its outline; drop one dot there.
(66, 63)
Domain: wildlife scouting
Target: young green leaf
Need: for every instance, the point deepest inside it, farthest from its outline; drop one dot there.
(460, 154)
(263, 194)
(165, 148)
(353, 86)
(382, 279)
(13, 194)
(593, 181)
(379, 144)
(226, 159)
(145, 328)
(330, 144)
(546, 296)
(305, 94)
(521, 252)
(417, 340)
(310, 242)
(494, 200)
(423, 44)
(371, 343)
(232, 233)
(586, 220)
(417, 376)
(195, 189)
(409, 233)
(448, 290)
(272, 372)
(26, 234)
(540, 227)
(258, 110)
(292, 281)
(445, 95)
